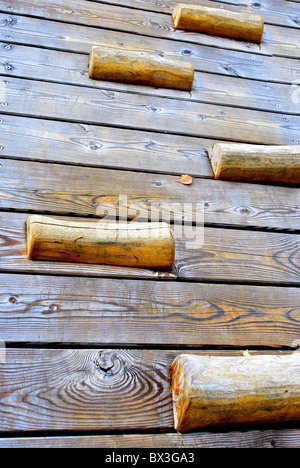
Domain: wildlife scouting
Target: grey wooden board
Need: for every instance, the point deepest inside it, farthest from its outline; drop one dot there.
(267, 438)
(70, 68)
(94, 389)
(79, 39)
(100, 146)
(276, 40)
(62, 189)
(84, 311)
(129, 110)
(226, 255)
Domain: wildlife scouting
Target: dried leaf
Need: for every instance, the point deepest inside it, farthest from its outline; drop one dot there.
(185, 179)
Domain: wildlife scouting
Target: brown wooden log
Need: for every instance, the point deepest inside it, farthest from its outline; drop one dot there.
(255, 163)
(140, 68)
(140, 245)
(218, 390)
(218, 22)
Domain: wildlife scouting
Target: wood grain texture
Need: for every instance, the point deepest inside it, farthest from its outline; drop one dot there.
(134, 131)
(276, 438)
(71, 68)
(277, 40)
(93, 145)
(226, 255)
(64, 310)
(112, 108)
(86, 390)
(283, 14)
(79, 39)
(62, 189)
(214, 391)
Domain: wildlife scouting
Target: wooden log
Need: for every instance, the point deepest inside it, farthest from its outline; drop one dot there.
(140, 245)
(245, 26)
(138, 67)
(213, 390)
(255, 163)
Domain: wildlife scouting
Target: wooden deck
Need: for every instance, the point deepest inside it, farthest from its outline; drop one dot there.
(88, 347)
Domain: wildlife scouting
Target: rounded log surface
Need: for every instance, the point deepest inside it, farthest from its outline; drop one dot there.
(243, 26)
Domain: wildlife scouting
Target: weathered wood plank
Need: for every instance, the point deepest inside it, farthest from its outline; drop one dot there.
(67, 401)
(83, 191)
(281, 14)
(268, 438)
(86, 389)
(113, 108)
(229, 255)
(43, 309)
(80, 39)
(70, 68)
(91, 145)
(276, 41)
(226, 255)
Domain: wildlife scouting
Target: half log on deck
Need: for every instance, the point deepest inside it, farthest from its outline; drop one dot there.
(210, 391)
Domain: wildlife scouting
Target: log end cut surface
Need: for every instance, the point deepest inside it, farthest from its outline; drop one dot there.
(255, 163)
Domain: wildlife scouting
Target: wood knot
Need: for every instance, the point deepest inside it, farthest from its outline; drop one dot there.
(245, 211)
(10, 21)
(108, 363)
(95, 145)
(154, 24)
